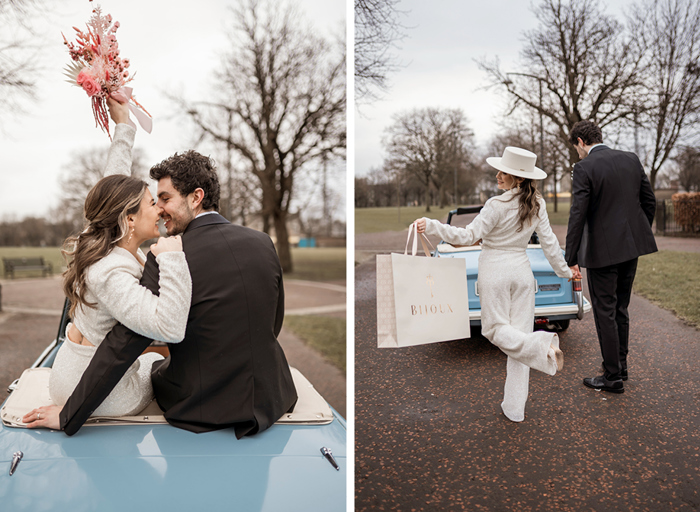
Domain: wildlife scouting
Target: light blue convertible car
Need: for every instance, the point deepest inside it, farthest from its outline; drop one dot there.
(143, 463)
(557, 301)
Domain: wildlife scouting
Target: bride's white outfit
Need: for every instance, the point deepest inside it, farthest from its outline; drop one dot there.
(113, 283)
(506, 290)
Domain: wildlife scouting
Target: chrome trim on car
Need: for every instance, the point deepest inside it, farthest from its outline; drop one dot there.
(16, 457)
(578, 299)
(547, 311)
(12, 386)
(329, 457)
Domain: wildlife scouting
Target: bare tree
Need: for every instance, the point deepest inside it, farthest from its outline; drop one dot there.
(377, 30)
(687, 168)
(18, 54)
(584, 61)
(428, 143)
(78, 178)
(240, 197)
(284, 88)
(669, 30)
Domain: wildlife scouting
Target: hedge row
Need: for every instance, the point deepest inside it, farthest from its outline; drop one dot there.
(686, 210)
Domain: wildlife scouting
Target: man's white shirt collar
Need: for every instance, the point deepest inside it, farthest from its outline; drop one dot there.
(205, 213)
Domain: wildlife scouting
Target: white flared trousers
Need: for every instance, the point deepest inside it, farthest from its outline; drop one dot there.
(507, 295)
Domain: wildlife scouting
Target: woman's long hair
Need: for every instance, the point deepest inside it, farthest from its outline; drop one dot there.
(528, 203)
(107, 208)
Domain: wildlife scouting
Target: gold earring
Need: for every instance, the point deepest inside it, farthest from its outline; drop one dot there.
(128, 241)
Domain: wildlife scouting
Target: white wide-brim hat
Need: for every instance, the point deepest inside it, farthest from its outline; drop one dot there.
(518, 162)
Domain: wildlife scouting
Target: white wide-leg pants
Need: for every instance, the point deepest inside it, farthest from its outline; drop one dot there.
(507, 295)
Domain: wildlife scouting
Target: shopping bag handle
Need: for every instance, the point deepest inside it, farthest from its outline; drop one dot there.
(413, 229)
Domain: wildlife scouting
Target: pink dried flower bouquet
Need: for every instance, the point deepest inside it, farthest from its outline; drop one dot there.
(97, 67)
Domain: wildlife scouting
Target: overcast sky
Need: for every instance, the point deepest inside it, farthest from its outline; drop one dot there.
(172, 46)
(443, 39)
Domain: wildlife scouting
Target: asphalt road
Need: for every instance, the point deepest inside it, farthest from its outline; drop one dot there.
(430, 434)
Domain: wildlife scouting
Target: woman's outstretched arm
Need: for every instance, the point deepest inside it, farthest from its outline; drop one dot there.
(469, 235)
(119, 157)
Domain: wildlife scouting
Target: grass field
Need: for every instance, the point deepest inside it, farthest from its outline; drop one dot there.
(376, 220)
(561, 217)
(50, 254)
(323, 333)
(318, 264)
(671, 280)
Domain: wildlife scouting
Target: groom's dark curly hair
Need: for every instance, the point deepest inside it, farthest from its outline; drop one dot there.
(587, 131)
(188, 172)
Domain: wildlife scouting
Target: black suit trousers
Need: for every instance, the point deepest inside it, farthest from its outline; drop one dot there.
(611, 288)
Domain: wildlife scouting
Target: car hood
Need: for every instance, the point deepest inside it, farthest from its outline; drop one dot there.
(159, 467)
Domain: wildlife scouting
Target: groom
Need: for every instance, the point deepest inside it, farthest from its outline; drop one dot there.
(612, 209)
(230, 370)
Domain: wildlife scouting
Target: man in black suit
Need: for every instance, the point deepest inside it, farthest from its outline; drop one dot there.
(612, 208)
(229, 371)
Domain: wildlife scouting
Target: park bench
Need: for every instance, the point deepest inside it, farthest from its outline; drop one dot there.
(13, 265)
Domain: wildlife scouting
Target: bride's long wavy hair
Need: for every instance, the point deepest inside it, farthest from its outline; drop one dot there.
(528, 201)
(107, 208)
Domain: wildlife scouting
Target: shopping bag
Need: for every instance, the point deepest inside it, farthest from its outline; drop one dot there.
(420, 300)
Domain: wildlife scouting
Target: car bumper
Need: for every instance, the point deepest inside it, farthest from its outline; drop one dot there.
(552, 312)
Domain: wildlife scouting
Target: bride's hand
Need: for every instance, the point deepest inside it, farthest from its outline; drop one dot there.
(421, 224)
(119, 112)
(47, 417)
(170, 244)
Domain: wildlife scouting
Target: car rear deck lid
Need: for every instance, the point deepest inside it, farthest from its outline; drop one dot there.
(32, 391)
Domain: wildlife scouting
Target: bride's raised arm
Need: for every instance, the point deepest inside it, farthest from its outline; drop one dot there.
(119, 158)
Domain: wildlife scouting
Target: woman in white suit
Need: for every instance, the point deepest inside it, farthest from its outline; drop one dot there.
(506, 283)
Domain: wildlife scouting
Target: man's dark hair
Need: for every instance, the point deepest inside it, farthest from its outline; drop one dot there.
(188, 172)
(587, 131)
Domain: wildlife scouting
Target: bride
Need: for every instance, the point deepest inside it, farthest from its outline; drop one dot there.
(506, 282)
(102, 283)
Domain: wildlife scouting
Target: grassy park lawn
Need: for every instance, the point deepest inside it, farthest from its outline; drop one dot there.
(50, 254)
(376, 220)
(317, 264)
(325, 334)
(671, 280)
(561, 217)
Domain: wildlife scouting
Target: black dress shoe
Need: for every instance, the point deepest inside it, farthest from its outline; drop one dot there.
(600, 382)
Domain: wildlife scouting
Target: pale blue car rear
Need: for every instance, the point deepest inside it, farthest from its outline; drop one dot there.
(557, 301)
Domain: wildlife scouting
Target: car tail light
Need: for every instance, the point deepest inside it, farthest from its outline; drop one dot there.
(541, 320)
(577, 285)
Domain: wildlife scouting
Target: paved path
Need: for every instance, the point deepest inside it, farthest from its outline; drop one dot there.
(430, 434)
(31, 308)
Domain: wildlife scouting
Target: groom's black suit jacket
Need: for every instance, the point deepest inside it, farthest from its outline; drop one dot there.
(612, 208)
(230, 370)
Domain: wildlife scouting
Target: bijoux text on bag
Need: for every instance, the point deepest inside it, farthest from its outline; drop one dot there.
(420, 300)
